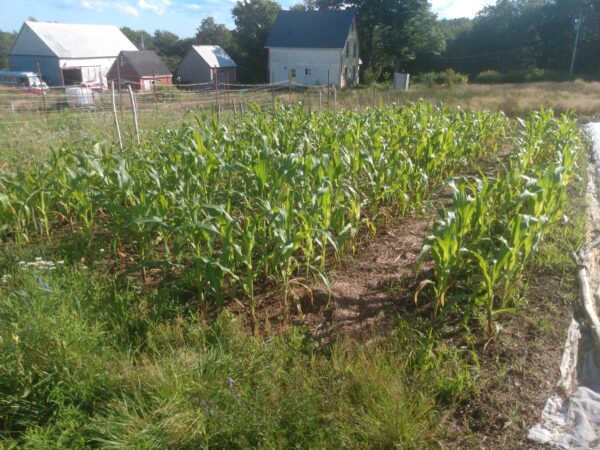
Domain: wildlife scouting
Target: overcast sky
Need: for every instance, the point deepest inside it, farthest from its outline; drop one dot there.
(182, 17)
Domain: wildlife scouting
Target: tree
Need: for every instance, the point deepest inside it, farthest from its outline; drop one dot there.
(6, 42)
(253, 22)
(392, 32)
(211, 33)
(140, 38)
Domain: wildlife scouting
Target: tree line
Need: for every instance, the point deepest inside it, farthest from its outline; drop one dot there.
(405, 35)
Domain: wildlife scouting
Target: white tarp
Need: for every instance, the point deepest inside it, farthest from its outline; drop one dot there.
(571, 417)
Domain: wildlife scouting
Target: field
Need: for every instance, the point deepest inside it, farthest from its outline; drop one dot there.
(287, 277)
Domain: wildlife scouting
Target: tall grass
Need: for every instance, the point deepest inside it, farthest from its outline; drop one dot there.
(87, 364)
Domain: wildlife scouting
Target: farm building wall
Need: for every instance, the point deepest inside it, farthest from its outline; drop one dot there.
(145, 83)
(350, 59)
(48, 66)
(92, 69)
(193, 69)
(313, 66)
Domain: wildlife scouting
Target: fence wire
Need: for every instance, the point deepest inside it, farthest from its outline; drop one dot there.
(70, 114)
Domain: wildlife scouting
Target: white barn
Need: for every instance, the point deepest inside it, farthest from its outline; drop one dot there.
(67, 53)
(314, 48)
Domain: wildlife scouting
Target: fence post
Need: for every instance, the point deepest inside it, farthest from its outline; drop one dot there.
(334, 99)
(135, 117)
(43, 95)
(216, 75)
(114, 108)
(320, 100)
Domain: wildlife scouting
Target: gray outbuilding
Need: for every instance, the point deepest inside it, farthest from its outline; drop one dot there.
(205, 62)
(68, 53)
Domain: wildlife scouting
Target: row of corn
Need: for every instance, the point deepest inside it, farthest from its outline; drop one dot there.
(266, 199)
(481, 244)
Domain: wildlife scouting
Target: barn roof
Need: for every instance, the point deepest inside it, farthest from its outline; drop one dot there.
(67, 40)
(311, 29)
(145, 62)
(214, 55)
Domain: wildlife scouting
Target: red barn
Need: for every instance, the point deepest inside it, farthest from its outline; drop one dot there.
(142, 69)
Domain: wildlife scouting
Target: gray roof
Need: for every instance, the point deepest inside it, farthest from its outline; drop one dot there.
(145, 62)
(311, 29)
(67, 40)
(214, 55)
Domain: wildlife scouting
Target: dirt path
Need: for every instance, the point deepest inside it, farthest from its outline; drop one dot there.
(372, 286)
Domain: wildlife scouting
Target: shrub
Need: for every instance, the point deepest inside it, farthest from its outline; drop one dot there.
(448, 78)
(522, 76)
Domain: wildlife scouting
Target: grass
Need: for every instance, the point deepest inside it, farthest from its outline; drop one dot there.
(122, 369)
(517, 99)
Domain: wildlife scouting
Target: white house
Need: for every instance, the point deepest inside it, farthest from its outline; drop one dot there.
(314, 48)
(67, 53)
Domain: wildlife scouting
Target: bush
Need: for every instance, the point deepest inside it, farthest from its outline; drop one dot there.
(368, 77)
(522, 76)
(448, 77)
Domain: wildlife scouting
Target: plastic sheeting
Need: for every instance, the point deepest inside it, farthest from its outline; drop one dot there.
(571, 418)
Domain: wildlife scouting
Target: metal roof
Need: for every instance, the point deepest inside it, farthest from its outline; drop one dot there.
(214, 55)
(311, 29)
(67, 40)
(146, 63)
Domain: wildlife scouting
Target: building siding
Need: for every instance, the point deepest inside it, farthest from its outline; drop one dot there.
(324, 65)
(48, 66)
(193, 69)
(349, 63)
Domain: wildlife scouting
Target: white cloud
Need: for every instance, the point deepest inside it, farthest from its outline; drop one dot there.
(94, 5)
(458, 8)
(106, 5)
(192, 6)
(127, 9)
(157, 6)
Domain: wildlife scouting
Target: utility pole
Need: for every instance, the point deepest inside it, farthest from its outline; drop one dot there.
(578, 23)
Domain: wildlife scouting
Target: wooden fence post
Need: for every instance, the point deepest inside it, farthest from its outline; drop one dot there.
(114, 108)
(135, 116)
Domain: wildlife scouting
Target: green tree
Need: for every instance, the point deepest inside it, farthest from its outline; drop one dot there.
(392, 32)
(140, 38)
(211, 33)
(6, 42)
(253, 22)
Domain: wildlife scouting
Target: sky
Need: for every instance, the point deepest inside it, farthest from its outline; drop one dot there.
(181, 17)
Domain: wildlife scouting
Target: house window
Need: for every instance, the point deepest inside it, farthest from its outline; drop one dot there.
(307, 71)
(345, 73)
(293, 73)
(354, 50)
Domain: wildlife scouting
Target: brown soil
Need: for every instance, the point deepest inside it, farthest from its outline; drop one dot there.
(518, 372)
(368, 289)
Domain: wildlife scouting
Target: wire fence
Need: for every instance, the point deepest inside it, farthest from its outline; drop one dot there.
(30, 122)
